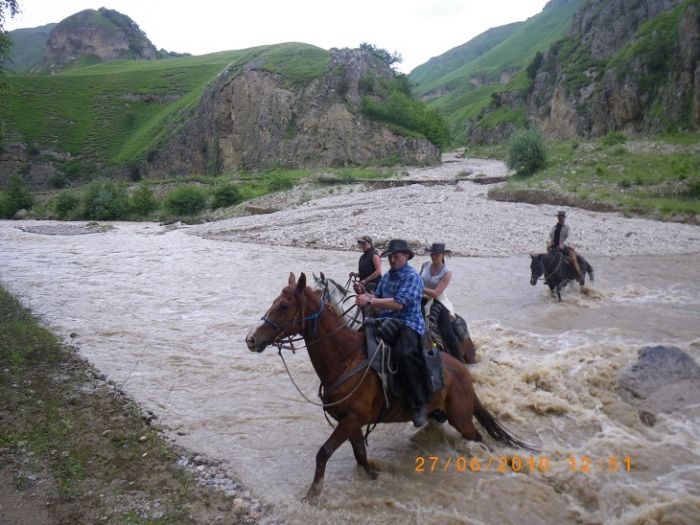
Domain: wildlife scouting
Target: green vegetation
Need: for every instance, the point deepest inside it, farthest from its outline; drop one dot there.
(657, 177)
(16, 197)
(526, 153)
(185, 201)
(116, 113)
(470, 73)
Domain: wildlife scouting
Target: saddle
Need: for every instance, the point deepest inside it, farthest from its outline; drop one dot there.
(386, 331)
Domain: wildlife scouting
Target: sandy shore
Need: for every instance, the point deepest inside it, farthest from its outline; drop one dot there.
(446, 203)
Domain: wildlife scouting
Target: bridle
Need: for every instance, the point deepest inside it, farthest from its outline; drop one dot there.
(287, 343)
(544, 268)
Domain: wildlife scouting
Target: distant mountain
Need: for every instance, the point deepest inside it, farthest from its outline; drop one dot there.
(28, 47)
(90, 37)
(625, 65)
(459, 83)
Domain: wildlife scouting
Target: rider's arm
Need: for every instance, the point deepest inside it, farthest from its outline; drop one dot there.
(437, 291)
(383, 303)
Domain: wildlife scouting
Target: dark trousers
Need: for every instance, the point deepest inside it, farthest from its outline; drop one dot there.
(409, 351)
(444, 323)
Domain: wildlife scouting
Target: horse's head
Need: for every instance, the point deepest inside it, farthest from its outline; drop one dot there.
(536, 268)
(283, 319)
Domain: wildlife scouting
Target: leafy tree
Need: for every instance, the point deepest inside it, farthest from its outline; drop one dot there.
(381, 54)
(10, 7)
(226, 195)
(66, 205)
(185, 200)
(526, 152)
(142, 201)
(16, 197)
(104, 201)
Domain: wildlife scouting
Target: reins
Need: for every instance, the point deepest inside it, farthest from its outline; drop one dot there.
(287, 343)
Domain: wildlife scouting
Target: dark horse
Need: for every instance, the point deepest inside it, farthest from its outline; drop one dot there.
(353, 391)
(556, 270)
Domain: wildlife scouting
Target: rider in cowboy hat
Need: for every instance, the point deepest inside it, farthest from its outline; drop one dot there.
(557, 241)
(398, 295)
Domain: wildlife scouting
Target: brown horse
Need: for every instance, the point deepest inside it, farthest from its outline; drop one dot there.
(354, 395)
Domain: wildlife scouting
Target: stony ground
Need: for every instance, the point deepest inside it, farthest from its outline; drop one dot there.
(448, 203)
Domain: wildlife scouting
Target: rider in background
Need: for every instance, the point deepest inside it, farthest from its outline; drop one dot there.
(398, 296)
(557, 242)
(436, 277)
(369, 265)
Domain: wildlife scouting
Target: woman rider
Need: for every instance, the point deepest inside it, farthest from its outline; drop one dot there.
(436, 277)
(369, 266)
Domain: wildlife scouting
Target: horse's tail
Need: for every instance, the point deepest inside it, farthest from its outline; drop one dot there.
(496, 429)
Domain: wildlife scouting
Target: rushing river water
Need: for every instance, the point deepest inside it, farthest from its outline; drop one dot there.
(164, 314)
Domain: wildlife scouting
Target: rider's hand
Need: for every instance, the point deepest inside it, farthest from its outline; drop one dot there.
(359, 288)
(352, 274)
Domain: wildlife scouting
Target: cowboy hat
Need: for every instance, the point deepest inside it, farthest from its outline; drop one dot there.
(437, 247)
(561, 213)
(398, 245)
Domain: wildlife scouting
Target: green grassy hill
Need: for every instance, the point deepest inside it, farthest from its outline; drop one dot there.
(27, 47)
(466, 76)
(115, 113)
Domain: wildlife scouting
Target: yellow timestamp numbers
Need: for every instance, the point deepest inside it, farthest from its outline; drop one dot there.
(523, 464)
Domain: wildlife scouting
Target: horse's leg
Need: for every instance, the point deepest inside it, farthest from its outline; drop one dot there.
(347, 427)
(459, 405)
(358, 448)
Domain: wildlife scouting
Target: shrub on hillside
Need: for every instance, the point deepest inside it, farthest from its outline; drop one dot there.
(66, 205)
(185, 200)
(16, 197)
(142, 201)
(226, 195)
(526, 153)
(613, 138)
(104, 201)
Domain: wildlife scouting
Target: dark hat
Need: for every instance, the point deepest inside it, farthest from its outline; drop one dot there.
(437, 247)
(365, 238)
(398, 245)
(561, 213)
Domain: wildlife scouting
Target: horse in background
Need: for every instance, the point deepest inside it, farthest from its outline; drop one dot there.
(340, 298)
(557, 270)
(352, 390)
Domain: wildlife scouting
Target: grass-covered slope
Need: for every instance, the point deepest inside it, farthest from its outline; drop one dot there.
(117, 112)
(27, 47)
(467, 88)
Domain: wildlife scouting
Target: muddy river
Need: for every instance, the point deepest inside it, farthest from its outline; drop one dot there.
(164, 313)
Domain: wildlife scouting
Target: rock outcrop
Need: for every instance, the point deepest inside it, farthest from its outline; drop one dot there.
(96, 36)
(627, 66)
(663, 379)
(254, 118)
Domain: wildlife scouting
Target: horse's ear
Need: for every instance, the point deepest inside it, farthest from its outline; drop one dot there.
(323, 278)
(532, 256)
(302, 282)
(292, 279)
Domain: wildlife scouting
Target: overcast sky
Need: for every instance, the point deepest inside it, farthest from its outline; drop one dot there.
(416, 29)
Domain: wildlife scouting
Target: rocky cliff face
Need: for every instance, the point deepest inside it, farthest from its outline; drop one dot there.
(628, 65)
(254, 119)
(99, 36)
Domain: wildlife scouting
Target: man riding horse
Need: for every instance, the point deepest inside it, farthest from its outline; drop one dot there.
(557, 242)
(398, 296)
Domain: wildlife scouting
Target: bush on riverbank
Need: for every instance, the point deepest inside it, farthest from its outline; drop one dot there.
(657, 178)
